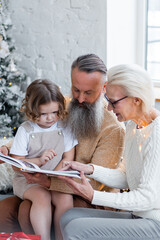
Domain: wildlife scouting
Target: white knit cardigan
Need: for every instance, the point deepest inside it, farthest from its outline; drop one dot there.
(139, 171)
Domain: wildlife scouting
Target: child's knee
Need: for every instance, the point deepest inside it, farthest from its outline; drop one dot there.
(61, 199)
(44, 196)
(38, 195)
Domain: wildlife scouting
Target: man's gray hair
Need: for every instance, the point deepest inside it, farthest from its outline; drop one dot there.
(90, 63)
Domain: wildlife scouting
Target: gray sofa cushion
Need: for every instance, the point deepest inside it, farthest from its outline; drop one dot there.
(3, 196)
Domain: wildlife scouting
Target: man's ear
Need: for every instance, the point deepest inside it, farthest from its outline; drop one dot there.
(137, 101)
(104, 87)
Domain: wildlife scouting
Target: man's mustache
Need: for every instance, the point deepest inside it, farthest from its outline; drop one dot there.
(83, 104)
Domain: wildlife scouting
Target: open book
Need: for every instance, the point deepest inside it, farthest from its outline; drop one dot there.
(33, 168)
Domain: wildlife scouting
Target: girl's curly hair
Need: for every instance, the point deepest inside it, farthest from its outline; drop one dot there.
(42, 91)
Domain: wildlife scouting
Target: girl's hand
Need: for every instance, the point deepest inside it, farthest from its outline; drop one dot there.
(83, 189)
(46, 156)
(87, 169)
(4, 150)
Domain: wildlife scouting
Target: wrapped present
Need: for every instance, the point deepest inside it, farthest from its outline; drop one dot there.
(19, 236)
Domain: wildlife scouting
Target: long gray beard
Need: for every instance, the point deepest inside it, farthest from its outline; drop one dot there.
(85, 121)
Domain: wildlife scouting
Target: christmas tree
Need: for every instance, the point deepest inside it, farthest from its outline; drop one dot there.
(11, 79)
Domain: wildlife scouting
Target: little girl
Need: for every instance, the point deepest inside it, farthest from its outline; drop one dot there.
(43, 140)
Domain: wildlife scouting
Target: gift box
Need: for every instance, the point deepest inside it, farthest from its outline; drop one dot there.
(19, 236)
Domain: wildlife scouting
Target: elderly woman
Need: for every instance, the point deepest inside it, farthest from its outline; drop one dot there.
(129, 93)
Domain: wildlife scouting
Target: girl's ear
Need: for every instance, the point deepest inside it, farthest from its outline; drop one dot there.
(137, 101)
(104, 86)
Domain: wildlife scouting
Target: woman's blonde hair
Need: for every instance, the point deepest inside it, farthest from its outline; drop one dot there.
(135, 81)
(42, 91)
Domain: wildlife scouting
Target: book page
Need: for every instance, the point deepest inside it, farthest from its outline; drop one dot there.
(33, 168)
(17, 163)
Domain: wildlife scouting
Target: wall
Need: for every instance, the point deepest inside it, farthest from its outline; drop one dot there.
(50, 34)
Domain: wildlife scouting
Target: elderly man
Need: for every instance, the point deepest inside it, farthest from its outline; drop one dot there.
(99, 134)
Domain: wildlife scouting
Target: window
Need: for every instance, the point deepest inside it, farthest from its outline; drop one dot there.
(153, 40)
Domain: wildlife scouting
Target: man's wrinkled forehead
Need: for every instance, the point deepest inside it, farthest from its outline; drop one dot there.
(86, 79)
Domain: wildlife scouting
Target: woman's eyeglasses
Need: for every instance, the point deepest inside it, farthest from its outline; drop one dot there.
(113, 103)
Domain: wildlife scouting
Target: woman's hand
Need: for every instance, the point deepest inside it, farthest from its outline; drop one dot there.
(39, 178)
(83, 189)
(46, 156)
(87, 169)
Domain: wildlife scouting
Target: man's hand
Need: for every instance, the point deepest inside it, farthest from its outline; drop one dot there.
(83, 189)
(87, 169)
(46, 156)
(39, 178)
